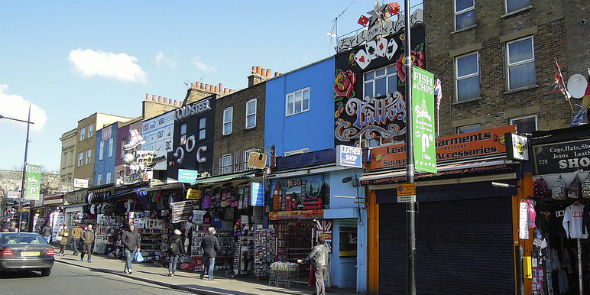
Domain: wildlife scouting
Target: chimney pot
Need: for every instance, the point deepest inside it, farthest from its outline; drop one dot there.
(159, 98)
(258, 70)
(153, 97)
(267, 73)
(197, 84)
(253, 69)
(225, 90)
(147, 96)
(170, 101)
(220, 87)
(216, 89)
(175, 102)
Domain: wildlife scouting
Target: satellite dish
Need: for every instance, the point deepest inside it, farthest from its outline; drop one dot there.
(576, 85)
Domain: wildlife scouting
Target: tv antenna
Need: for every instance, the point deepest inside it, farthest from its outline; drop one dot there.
(334, 32)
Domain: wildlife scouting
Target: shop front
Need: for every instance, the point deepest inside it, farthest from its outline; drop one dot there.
(556, 217)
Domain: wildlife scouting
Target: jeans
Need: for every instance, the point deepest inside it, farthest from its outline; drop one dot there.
(209, 263)
(86, 249)
(173, 263)
(75, 244)
(128, 259)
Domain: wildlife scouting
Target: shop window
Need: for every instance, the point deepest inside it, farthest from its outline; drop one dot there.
(467, 76)
(202, 128)
(297, 102)
(521, 63)
(251, 113)
(101, 150)
(225, 165)
(380, 82)
(525, 125)
(468, 128)
(228, 114)
(464, 14)
(82, 133)
(515, 5)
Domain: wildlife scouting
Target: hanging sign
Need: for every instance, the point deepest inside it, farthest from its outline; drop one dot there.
(349, 156)
(517, 147)
(257, 160)
(523, 229)
(33, 182)
(257, 194)
(193, 194)
(423, 120)
(187, 176)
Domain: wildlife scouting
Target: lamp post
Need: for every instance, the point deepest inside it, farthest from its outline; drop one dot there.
(22, 188)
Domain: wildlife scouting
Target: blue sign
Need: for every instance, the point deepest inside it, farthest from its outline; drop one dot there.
(188, 176)
(349, 156)
(257, 197)
(307, 159)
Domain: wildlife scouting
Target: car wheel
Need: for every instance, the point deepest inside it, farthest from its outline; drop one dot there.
(46, 272)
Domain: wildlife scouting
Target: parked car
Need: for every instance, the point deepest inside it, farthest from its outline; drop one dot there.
(25, 251)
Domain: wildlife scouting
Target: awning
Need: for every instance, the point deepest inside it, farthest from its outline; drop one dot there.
(222, 178)
(167, 186)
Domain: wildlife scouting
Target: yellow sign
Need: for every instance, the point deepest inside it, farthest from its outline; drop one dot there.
(193, 194)
(406, 189)
(300, 214)
(257, 160)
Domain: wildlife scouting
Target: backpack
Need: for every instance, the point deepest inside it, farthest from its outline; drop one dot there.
(573, 190)
(558, 189)
(174, 247)
(586, 187)
(540, 189)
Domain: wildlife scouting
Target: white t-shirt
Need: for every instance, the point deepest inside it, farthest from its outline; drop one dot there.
(572, 222)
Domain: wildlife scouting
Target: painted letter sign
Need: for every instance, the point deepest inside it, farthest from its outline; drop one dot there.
(562, 157)
(423, 120)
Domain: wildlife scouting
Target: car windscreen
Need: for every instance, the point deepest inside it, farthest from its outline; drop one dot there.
(16, 239)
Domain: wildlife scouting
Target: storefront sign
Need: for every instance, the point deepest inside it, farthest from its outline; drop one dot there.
(517, 147)
(291, 215)
(82, 183)
(562, 157)
(137, 177)
(423, 120)
(13, 194)
(311, 158)
(187, 176)
(75, 197)
(473, 145)
(192, 109)
(257, 194)
(349, 156)
(256, 160)
(193, 194)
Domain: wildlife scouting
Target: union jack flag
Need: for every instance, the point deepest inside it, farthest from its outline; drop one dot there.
(558, 83)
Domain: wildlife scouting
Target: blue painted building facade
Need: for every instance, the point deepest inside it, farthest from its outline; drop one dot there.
(104, 157)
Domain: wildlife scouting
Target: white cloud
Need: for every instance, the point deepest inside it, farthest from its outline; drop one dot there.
(16, 107)
(162, 60)
(119, 66)
(202, 66)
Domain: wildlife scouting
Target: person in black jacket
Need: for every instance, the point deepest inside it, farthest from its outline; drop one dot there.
(210, 246)
(175, 249)
(131, 240)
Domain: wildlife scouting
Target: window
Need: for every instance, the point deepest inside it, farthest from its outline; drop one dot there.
(295, 152)
(521, 63)
(525, 125)
(80, 159)
(111, 147)
(90, 129)
(108, 179)
(298, 102)
(380, 82)
(64, 160)
(514, 5)
(464, 14)
(82, 133)
(227, 120)
(183, 134)
(99, 179)
(225, 166)
(251, 113)
(88, 156)
(202, 128)
(101, 150)
(469, 128)
(467, 76)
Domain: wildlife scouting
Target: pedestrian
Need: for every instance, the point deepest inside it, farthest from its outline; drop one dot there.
(320, 259)
(131, 240)
(63, 235)
(175, 249)
(76, 235)
(210, 246)
(46, 231)
(87, 240)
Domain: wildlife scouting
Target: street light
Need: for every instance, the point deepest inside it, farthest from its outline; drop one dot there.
(22, 188)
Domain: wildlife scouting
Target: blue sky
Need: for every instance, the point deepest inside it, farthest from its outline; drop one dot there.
(70, 59)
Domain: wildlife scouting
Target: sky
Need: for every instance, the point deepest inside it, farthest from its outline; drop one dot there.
(70, 59)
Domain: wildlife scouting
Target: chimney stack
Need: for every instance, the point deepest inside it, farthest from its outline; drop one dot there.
(147, 96)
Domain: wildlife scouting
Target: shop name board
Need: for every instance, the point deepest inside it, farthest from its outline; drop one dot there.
(473, 145)
(349, 156)
(192, 109)
(293, 215)
(81, 183)
(137, 177)
(187, 176)
(75, 197)
(311, 158)
(562, 157)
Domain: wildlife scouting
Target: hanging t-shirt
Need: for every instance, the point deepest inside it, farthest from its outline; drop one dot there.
(573, 222)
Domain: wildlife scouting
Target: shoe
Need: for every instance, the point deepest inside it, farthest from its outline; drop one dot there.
(171, 275)
(81, 259)
(130, 272)
(201, 277)
(89, 261)
(126, 271)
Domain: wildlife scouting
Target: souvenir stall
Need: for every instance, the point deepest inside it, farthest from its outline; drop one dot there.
(558, 213)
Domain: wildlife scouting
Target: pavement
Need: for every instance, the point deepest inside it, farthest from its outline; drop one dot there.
(189, 280)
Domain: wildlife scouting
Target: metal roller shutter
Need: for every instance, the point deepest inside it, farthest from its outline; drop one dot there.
(462, 247)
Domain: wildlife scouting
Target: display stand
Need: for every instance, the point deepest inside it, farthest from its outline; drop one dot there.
(265, 251)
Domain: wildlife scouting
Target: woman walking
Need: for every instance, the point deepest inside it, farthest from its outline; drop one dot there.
(63, 235)
(175, 248)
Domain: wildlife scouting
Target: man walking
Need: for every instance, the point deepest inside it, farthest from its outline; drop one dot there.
(76, 235)
(131, 240)
(210, 246)
(46, 231)
(87, 240)
(320, 258)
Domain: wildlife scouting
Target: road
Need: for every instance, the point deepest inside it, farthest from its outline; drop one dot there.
(70, 280)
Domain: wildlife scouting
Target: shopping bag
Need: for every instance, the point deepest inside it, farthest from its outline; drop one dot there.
(58, 238)
(138, 257)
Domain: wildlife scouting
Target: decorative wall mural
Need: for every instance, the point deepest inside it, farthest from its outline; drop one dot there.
(417, 60)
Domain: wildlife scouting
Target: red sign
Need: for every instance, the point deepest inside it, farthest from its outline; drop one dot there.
(476, 144)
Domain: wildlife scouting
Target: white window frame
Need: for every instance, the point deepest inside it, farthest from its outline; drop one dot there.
(90, 130)
(389, 71)
(80, 159)
(82, 133)
(296, 152)
(99, 179)
(108, 178)
(223, 168)
(88, 156)
(250, 113)
(202, 128)
(101, 150)
(522, 62)
(111, 147)
(518, 9)
(511, 122)
(290, 109)
(227, 121)
(457, 78)
(466, 10)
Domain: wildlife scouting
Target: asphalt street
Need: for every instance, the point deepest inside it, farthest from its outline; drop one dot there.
(70, 280)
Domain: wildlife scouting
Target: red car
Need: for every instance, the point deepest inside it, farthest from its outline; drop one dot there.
(25, 251)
